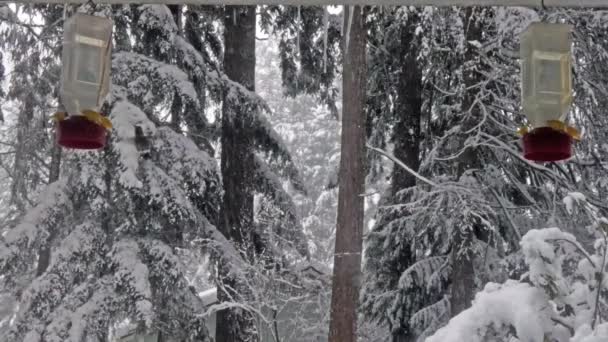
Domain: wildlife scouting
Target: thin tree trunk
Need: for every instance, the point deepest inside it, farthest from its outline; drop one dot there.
(349, 231)
(176, 106)
(194, 120)
(176, 12)
(44, 254)
(19, 172)
(236, 215)
(406, 135)
(463, 271)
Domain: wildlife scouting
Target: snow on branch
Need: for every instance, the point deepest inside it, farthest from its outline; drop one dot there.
(72, 261)
(182, 159)
(164, 194)
(267, 183)
(162, 259)
(557, 300)
(131, 274)
(545, 256)
(86, 309)
(572, 198)
(513, 304)
(76, 250)
(426, 316)
(401, 164)
(238, 95)
(141, 75)
(53, 207)
(421, 271)
(267, 140)
(155, 16)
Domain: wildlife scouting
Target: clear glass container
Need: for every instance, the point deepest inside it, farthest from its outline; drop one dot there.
(546, 72)
(85, 78)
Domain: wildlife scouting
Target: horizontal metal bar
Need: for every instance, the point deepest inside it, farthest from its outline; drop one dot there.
(418, 3)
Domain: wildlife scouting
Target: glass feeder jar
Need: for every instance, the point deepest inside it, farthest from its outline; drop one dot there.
(85, 80)
(546, 90)
(546, 72)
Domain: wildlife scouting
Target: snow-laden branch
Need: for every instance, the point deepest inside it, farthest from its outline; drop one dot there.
(401, 164)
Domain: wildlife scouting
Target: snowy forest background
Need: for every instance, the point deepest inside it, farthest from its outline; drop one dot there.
(230, 117)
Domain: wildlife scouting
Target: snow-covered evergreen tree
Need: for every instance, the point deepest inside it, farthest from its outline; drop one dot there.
(28, 53)
(118, 221)
(253, 160)
(309, 49)
(394, 119)
(475, 195)
(311, 134)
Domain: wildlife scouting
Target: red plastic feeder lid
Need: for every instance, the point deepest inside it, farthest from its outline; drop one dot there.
(546, 144)
(79, 133)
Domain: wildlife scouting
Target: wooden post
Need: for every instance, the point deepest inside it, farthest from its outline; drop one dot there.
(349, 232)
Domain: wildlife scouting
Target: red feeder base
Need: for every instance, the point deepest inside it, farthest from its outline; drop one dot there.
(545, 144)
(79, 133)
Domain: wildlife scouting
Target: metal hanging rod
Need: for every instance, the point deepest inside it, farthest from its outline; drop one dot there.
(419, 3)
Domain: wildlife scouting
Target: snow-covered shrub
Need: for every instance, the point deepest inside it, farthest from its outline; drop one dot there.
(560, 299)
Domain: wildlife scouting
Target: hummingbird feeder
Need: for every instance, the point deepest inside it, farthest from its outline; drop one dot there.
(85, 81)
(547, 92)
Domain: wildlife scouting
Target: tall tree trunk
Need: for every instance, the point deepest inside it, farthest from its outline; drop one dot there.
(406, 135)
(463, 271)
(236, 216)
(406, 138)
(349, 231)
